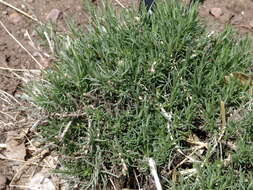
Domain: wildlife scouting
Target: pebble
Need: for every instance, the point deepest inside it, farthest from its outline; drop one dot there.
(15, 18)
(5, 12)
(53, 15)
(216, 12)
(23, 6)
(79, 8)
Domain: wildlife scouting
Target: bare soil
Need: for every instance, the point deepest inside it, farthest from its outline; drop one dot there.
(13, 114)
(237, 13)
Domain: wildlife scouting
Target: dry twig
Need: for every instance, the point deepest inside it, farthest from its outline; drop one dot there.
(8, 97)
(15, 39)
(18, 70)
(65, 130)
(20, 11)
(118, 2)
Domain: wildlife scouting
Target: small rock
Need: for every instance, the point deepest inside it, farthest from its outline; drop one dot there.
(53, 15)
(15, 18)
(216, 12)
(23, 6)
(3, 181)
(5, 12)
(30, 1)
(79, 8)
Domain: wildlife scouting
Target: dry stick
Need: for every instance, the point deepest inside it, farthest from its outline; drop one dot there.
(20, 11)
(114, 187)
(18, 70)
(7, 115)
(117, 1)
(35, 125)
(188, 157)
(154, 173)
(7, 101)
(6, 94)
(136, 178)
(19, 77)
(65, 115)
(65, 130)
(13, 37)
(51, 46)
(31, 41)
(34, 46)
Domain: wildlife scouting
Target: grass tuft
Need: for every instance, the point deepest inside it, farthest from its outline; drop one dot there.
(123, 76)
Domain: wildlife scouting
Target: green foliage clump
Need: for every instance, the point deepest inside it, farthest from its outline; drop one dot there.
(122, 75)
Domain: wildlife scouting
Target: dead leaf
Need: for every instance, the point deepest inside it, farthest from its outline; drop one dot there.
(15, 147)
(188, 171)
(40, 181)
(193, 139)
